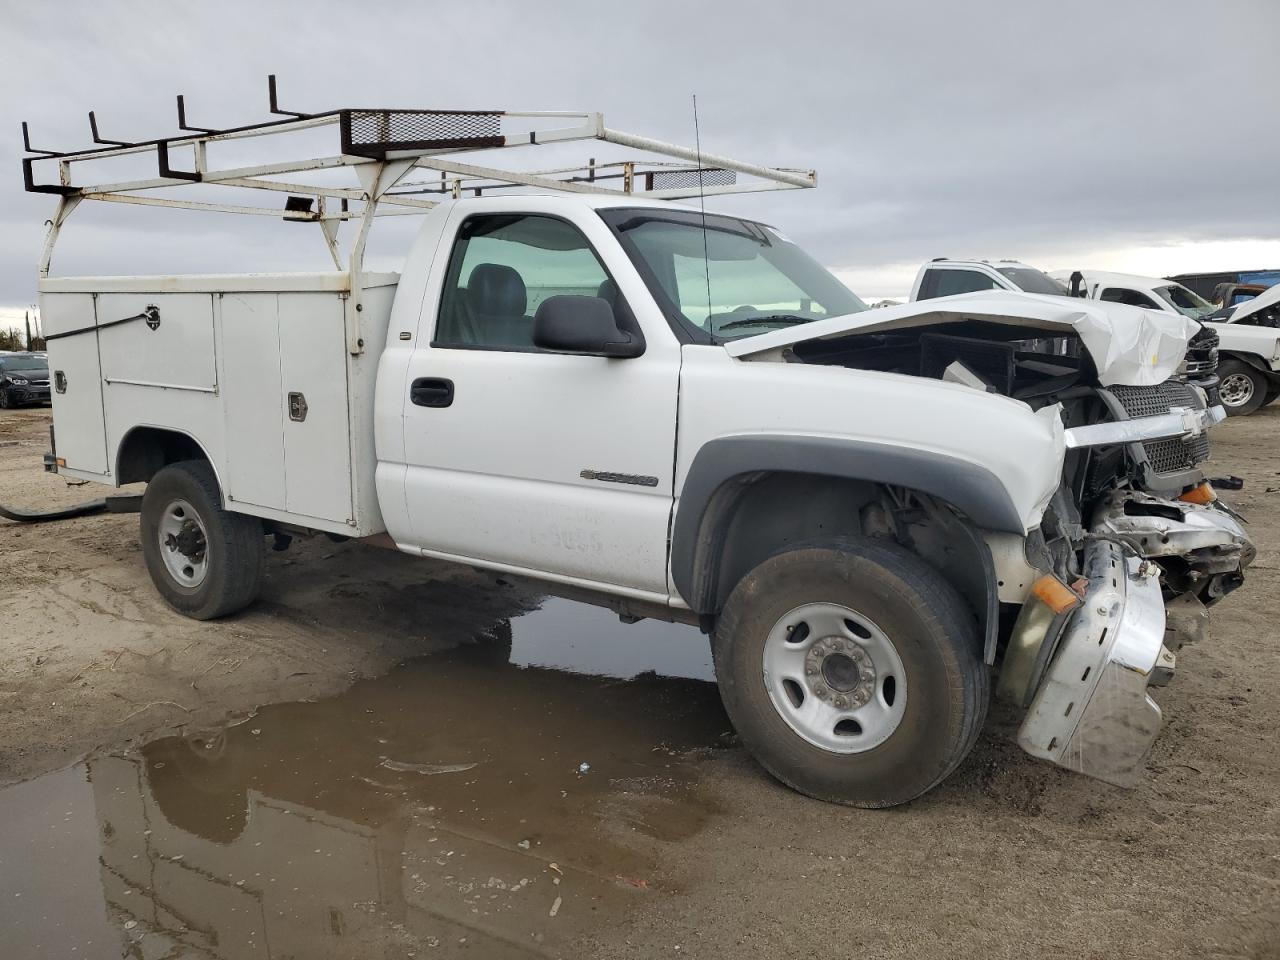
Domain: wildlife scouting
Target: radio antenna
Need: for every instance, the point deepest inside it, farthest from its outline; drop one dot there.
(702, 205)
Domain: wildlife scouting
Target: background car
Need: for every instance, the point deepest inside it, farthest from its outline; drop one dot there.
(24, 379)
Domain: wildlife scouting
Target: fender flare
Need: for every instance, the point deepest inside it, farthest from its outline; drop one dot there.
(1253, 360)
(722, 467)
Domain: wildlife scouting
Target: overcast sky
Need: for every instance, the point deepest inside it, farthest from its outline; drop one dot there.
(1124, 135)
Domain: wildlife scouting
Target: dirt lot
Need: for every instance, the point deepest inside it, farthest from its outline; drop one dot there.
(595, 818)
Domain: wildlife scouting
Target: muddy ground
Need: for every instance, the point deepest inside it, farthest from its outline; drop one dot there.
(389, 757)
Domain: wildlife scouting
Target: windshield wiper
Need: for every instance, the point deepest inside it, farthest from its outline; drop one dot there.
(781, 319)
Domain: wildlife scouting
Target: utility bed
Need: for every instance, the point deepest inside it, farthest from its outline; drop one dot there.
(255, 365)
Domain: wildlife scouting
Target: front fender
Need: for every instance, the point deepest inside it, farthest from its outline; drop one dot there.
(721, 466)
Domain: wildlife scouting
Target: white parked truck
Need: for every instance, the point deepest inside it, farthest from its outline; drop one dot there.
(676, 414)
(1248, 338)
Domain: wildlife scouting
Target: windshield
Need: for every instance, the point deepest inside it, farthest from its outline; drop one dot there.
(734, 279)
(1185, 301)
(21, 366)
(1029, 280)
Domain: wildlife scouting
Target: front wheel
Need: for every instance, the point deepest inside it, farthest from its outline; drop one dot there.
(206, 561)
(852, 672)
(1243, 388)
(5, 402)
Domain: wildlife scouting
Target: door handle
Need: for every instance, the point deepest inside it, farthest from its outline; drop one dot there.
(431, 392)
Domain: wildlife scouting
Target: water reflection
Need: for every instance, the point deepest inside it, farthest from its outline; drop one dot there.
(461, 802)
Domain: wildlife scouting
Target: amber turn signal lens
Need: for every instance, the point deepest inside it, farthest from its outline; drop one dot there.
(1203, 493)
(1055, 595)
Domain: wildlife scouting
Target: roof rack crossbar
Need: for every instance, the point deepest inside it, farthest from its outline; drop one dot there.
(395, 142)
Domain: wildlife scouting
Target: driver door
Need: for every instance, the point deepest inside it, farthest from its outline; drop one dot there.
(528, 460)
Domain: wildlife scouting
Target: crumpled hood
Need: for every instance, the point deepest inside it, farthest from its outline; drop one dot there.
(1129, 345)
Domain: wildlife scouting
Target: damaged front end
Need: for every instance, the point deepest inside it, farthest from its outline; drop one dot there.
(1131, 573)
(1134, 546)
(1089, 643)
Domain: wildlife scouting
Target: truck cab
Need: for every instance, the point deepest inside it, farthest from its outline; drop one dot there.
(944, 277)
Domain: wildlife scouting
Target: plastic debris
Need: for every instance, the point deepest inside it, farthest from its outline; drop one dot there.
(584, 768)
(555, 907)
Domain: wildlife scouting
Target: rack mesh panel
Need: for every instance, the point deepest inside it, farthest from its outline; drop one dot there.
(372, 133)
(688, 179)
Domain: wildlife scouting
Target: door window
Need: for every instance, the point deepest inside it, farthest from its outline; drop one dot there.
(944, 283)
(502, 268)
(1124, 295)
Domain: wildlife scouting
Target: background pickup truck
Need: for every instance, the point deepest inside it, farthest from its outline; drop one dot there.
(678, 415)
(1240, 344)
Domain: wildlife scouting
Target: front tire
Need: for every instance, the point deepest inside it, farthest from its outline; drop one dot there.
(5, 402)
(1243, 388)
(206, 561)
(852, 672)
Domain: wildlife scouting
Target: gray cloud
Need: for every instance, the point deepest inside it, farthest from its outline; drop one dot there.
(989, 129)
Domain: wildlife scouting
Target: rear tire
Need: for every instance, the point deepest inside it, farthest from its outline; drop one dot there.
(919, 730)
(1243, 388)
(206, 561)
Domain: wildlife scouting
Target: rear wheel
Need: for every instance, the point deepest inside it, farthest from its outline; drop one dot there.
(852, 671)
(1243, 388)
(205, 561)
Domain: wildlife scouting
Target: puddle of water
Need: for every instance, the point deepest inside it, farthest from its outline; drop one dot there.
(468, 801)
(581, 638)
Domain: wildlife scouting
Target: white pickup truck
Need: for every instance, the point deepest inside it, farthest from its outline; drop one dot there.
(1248, 338)
(676, 414)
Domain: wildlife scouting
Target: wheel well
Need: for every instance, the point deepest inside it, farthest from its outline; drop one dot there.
(1250, 360)
(753, 516)
(146, 450)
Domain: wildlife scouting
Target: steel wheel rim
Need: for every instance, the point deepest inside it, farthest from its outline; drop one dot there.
(184, 544)
(1236, 389)
(810, 658)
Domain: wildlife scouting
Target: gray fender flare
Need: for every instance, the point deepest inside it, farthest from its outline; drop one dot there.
(722, 466)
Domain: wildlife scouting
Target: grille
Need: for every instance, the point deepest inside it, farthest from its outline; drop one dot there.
(1154, 401)
(372, 133)
(1202, 354)
(1172, 455)
(688, 179)
(1176, 455)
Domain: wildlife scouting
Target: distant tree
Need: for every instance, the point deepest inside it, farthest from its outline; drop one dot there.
(11, 339)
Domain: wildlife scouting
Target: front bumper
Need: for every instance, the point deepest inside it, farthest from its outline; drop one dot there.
(1092, 713)
(19, 395)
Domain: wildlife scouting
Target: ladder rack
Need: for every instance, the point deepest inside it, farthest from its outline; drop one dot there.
(384, 148)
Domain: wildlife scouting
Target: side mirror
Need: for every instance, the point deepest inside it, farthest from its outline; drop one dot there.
(583, 325)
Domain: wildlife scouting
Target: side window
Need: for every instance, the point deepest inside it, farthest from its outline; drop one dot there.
(1125, 295)
(943, 283)
(502, 267)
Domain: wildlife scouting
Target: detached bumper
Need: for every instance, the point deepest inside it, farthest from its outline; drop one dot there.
(1091, 713)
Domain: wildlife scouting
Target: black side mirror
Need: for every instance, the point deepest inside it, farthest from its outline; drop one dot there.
(585, 325)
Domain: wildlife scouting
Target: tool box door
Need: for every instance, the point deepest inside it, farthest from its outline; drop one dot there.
(75, 375)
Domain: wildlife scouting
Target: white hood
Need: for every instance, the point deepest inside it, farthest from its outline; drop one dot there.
(1129, 345)
(1265, 299)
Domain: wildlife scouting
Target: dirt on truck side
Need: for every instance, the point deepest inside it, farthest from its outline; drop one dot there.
(427, 757)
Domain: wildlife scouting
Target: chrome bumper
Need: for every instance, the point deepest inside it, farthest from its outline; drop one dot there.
(1091, 713)
(1178, 422)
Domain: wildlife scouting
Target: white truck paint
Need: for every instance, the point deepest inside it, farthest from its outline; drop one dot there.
(683, 416)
